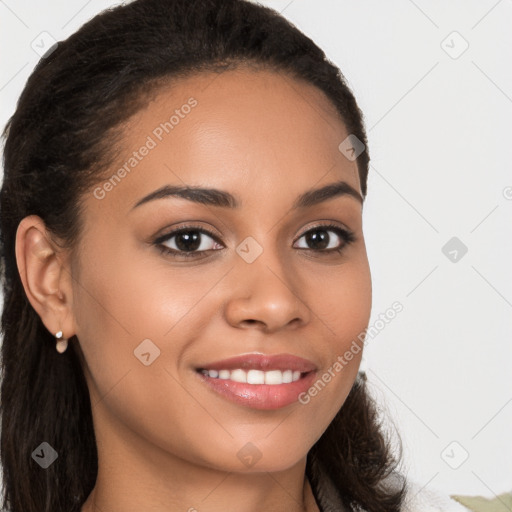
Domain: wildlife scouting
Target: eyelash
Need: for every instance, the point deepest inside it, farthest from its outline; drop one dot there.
(347, 237)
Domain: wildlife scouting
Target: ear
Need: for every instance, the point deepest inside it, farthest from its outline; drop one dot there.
(45, 275)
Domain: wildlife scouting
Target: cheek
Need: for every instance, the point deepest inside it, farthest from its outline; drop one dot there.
(126, 310)
(129, 294)
(343, 306)
(133, 310)
(342, 299)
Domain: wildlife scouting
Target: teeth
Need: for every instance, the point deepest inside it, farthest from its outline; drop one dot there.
(255, 377)
(239, 376)
(272, 377)
(223, 374)
(288, 377)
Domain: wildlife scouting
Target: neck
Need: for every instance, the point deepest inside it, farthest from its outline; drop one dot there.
(135, 475)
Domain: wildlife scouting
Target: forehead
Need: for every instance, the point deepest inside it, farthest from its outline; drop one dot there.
(258, 133)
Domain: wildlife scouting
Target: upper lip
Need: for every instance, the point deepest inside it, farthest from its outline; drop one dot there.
(262, 362)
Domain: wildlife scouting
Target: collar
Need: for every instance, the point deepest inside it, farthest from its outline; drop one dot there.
(324, 490)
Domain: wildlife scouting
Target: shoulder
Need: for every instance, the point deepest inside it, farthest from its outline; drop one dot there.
(421, 499)
(418, 497)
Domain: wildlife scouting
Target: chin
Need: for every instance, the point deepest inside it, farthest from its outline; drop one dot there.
(260, 456)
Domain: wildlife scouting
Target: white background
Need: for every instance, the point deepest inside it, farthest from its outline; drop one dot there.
(440, 141)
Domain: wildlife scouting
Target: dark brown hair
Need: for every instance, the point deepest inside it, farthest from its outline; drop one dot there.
(57, 145)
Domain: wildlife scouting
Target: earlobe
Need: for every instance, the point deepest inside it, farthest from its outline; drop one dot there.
(45, 278)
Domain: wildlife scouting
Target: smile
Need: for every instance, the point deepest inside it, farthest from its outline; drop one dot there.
(259, 381)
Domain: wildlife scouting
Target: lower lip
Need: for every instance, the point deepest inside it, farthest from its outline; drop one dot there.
(260, 396)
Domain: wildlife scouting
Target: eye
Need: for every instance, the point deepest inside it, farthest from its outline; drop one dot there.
(187, 242)
(195, 241)
(321, 241)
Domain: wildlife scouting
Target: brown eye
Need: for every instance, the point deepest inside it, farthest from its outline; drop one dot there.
(321, 239)
(187, 242)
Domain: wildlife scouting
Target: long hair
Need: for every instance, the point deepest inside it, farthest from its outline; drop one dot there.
(60, 140)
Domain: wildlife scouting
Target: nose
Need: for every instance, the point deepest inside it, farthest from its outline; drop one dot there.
(266, 295)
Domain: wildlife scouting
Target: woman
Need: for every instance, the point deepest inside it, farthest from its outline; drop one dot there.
(185, 275)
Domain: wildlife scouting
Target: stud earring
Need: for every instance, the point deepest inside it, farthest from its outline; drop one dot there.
(62, 343)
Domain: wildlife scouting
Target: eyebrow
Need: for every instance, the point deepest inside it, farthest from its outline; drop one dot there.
(223, 199)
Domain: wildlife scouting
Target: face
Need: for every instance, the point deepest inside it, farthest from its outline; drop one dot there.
(179, 299)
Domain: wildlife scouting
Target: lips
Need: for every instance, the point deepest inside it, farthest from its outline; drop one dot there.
(259, 381)
(262, 362)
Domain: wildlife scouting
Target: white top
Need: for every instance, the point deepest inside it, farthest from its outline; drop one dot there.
(423, 499)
